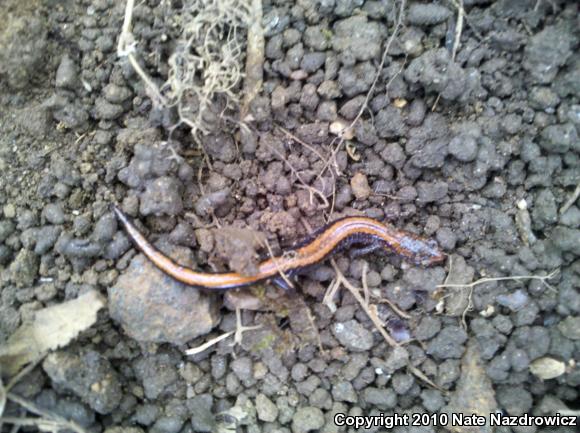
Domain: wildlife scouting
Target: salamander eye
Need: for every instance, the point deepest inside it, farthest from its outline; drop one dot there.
(433, 245)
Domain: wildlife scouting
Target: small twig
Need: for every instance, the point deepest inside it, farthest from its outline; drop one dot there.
(424, 378)
(458, 29)
(48, 418)
(341, 279)
(23, 373)
(304, 185)
(303, 143)
(275, 261)
(394, 307)
(542, 278)
(371, 90)
(2, 400)
(365, 269)
(254, 58)
(216, 340)
(467, 309)
(459, 7)
(571, 200)
(126, 48)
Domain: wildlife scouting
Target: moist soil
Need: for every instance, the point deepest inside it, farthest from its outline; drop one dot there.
(474, 145)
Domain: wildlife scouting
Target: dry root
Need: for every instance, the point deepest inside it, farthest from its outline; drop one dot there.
(207, 66)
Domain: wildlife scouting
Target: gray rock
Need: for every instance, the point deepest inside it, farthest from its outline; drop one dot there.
(158, 374)
(53, 213)
(545, 211)
(292, 36)
(394, 155)
(327, 111)
(117, 247)
(152, 306)
(105, 228)
(389, 123)
(311, 62)
(106, 111)
(309, 99)
(543, 98)
(358, 36)
(308, 386)
(67, 73)
(448, 343)
(202, 419)
(402, 383)
(351, 108)
(571, 217)
(88, 375)
(5, 254)
(381, 398)
(217, 202)
(329, 89)
(397, 359)
(343, 391)
(316, 38)
(428, 327)
(24, 41)
(24, 269)
(314, 133)
(427, 14)
(438, 74)
(320, 398)
(344, 8)
(463, 147)
(78, 248)
(307, 419)
(6, 229)
(149, 161)
(432, 400)
(243, 369)
(570, 327)
(219, 366)
(566, 239)
(515, 400)
(162, 196)
(27, 219)
(431, 191)
(274, 48)
(167, 424)
(220, 146)
(535, 340)
(353, 336)
(357, 79)
(560, 138)
(546, 52)
(116, 94)
(266, 409)
(514, 301)
(46, 237)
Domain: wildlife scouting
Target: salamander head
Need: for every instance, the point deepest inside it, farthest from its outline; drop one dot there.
(424, 252)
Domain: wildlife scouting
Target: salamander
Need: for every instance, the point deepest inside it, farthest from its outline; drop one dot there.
(335, 236)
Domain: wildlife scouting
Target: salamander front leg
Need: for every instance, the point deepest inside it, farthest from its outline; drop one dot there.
(283, 283)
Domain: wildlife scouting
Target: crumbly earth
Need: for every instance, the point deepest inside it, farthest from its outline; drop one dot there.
(480, 151)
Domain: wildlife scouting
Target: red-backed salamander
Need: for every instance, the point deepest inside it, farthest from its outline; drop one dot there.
(331, 238)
